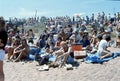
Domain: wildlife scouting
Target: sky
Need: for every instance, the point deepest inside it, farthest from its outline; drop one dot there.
(52, 8)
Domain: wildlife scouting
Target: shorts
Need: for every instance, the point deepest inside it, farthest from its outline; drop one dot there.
(2, 54)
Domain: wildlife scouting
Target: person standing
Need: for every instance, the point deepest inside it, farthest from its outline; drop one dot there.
(3, 42)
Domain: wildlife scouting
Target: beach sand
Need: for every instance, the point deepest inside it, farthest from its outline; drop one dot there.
(22, 71)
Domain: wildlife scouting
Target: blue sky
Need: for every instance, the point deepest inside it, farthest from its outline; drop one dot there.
(26, 8)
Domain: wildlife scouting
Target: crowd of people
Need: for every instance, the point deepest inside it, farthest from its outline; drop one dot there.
(94, 33)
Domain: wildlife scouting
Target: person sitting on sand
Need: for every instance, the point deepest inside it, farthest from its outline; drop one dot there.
(10, 40)
(30, 34)
(22, 51)
(77, 36)
(63, 35)
(101, 31)
(57, 44)
(15, 43)
(50, 42)
(85, 42)
(95, 44)
(63, 53)
(42, 41)
(102, 47)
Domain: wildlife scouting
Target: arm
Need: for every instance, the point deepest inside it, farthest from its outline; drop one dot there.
(107, 53)
(56, 45)
(59, 52)
(17, 49)
(65, 56)
(66, 53)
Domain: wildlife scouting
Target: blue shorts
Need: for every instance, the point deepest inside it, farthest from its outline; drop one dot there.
(2, 54)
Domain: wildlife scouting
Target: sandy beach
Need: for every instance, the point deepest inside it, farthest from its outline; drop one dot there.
(27, 71)
(54, 30)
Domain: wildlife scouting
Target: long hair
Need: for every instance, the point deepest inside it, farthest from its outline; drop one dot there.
(24, 40)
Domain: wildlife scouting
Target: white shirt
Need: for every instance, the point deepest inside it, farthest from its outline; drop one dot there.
(102, 45)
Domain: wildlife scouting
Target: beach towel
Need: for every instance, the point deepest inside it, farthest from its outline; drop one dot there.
(94, 58)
